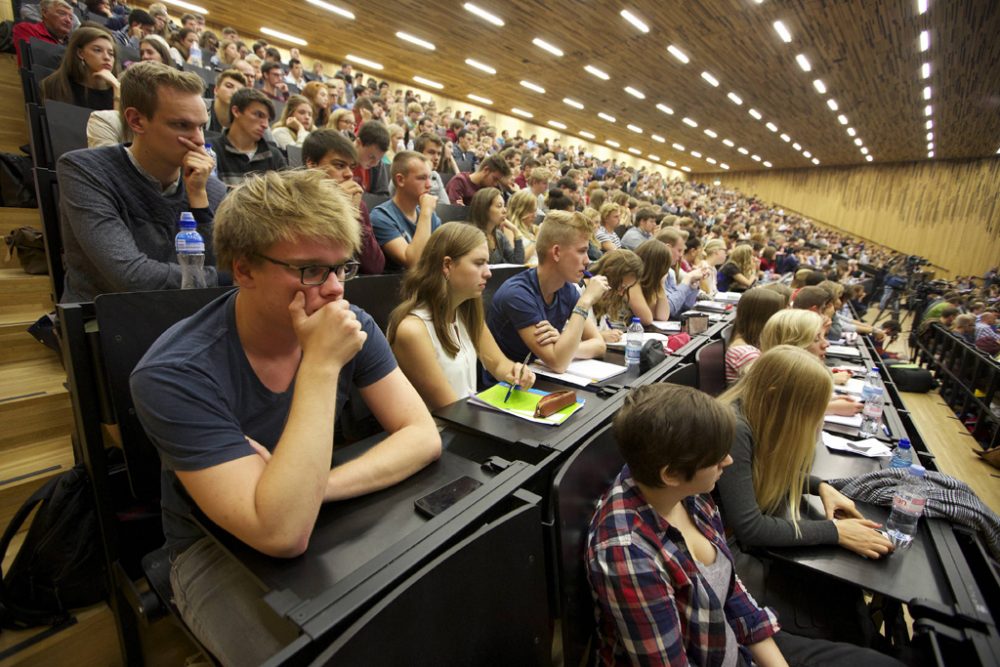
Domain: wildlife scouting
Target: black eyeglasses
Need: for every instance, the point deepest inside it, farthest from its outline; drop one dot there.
(316, 274)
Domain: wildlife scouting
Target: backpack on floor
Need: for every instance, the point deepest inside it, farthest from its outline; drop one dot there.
(912, 378)
(60, 565)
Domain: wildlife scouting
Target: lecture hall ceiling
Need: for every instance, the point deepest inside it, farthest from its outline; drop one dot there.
(867, 53)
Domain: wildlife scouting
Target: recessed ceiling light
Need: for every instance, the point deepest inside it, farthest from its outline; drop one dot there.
(480, 99)
(678, 147)
(658, 138)
(921, 6)
(864, 150)
(925, 71)
(928, 110)
(930, 145)
(607, 117)
(428, 82)
(767, 164)
(842, 119)
(370, 64)
(533, 86)
(634, 128)
(735, 98)
(711, 133)
(665, 109)
(634, 150)
(711, 79)
(671, 163)
(728, 142)
(929, 124)
(635, 93)
(695, 154)
(588, 135)
(522, 113)
(483, 14)
(743, 151)
(655, 158)
(772, 127)
(677, 53)
(612, 142)
(858, 142)
(819, 86)
(710, 160)
(573, 103)
(687, 121)
(785, 137)
(851, 132)
(930, 153)
(686, 169)
(815, 161)
(927, 92)
(925, 40)
(328, 7)
(930, 136)
(803, 62)
(832, 103)
(634, 20)
(284, 36)
(807, 154)
(754, 113)
(755, 158)
(600, 74)
(782, 31)
(797, 146)
(557, 124)
(188, 6)
(869, 158)
(724, 165)
(482, 67)
(413, 39)
(545, 46)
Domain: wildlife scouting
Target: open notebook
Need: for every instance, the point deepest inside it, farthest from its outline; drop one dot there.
(581, 372)
(522, 403)
(646, 336)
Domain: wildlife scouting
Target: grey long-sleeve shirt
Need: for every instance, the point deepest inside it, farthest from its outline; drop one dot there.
(742, 514)
(118, 227)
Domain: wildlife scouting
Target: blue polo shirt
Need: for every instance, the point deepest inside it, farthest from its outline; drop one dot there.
(519, 303)
(388, 223)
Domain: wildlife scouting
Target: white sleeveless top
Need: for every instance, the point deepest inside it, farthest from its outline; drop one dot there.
(460, 371)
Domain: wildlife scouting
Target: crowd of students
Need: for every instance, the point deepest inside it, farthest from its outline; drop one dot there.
(241, 399)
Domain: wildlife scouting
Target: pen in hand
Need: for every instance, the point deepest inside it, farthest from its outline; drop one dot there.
(520, 374)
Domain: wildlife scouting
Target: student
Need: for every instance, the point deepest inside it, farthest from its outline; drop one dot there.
(431, 147)
(463, 186)
(540, 310)
(295, 124)
(403, 224)
(643, 229)
(522, 208)
(288, 345)
(226, 85)
(610, 216)
(437, 333)
(659, 567)
(779, 404)
(55, 22)
(648, 298)
(371, 144)
(739, 273)
(243, 149)
(488, 213)
(612, 313)
(755, 308)
(714, 255)
(87, 76)
(334, 154)
(682, 293)
(119, 205)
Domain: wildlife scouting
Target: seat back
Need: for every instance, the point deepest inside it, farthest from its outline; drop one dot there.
(711, 361)
(38, 137)
(46, 54)
(727, 334)
(207, 75)
(129, 324)
(464, 165)
(67, 125)
(452, 212)
(47, 193)
(373, 200)
(294, 155)
(576, 490)
(376, 295)
(684, 374)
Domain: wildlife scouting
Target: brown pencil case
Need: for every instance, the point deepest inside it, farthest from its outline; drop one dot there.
(554, 402)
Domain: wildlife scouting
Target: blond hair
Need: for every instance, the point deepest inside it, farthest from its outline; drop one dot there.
(520, 203)
(791, 327)
(742, 257)
(783, 397)
(561, 228)
(141, 83)
(277, 206)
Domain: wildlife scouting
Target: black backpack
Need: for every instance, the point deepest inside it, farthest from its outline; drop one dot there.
(17, 185)
(60, 565)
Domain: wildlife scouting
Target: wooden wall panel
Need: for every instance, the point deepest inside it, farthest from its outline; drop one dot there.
(948, 212)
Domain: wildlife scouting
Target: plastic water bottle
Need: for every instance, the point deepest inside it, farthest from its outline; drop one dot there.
(190, 252)
(872, 395)
(215, 160)
(194, 55)
(633, 343)
(903, 456)
(907, 506)
(873, 384)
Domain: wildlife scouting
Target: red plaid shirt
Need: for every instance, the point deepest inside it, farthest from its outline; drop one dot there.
(653, 605)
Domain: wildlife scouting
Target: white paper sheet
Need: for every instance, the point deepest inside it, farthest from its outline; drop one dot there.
(870, 447)
(667, 325)
(843, 351)
(646, 336)
(854, 421)
(581, 372)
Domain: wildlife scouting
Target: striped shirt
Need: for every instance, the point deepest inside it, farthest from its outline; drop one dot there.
(737, 358)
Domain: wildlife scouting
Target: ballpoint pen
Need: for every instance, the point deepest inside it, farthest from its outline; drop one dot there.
(520, 373)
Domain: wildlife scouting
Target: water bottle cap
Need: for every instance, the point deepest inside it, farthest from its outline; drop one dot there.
(874, 369)
(636, 319)
(918, 470)
(187, 220)
(904, 443)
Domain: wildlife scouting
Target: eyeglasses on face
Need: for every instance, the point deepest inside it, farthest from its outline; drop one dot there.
(316, 274)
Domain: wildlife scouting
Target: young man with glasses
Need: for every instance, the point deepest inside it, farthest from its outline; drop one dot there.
(241, 400)
(242, 148)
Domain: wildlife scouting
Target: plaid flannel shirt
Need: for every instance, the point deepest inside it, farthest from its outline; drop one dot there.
(653, 605)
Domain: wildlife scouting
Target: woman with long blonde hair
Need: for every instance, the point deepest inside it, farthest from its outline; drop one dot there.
(622, 269)
(437, 331)
(740, 272)
(805, 329)
(522, 208)
(713, 256)
(648, 298)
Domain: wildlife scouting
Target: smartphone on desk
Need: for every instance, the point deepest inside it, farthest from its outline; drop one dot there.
(438, 501)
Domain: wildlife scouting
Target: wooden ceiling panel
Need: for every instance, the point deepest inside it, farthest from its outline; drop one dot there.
(866, 52)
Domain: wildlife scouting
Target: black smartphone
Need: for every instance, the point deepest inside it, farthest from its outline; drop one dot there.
(438, 501)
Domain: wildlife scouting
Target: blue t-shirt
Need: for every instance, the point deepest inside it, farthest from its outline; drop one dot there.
(198, 397)
(518, 304)
(388, 223)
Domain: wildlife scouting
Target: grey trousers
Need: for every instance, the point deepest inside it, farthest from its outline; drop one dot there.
(224, 607)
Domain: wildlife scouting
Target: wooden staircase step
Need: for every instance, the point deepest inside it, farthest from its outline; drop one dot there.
(34, 403)
(27, 468)
(21, 291)
(20, 217)
(91, 642)
(16, 344)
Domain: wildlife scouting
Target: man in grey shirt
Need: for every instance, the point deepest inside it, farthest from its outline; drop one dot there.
(642, 230)
(119, 205)
(431, 146)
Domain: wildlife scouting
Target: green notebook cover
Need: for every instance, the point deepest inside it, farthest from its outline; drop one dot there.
(522, 403)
